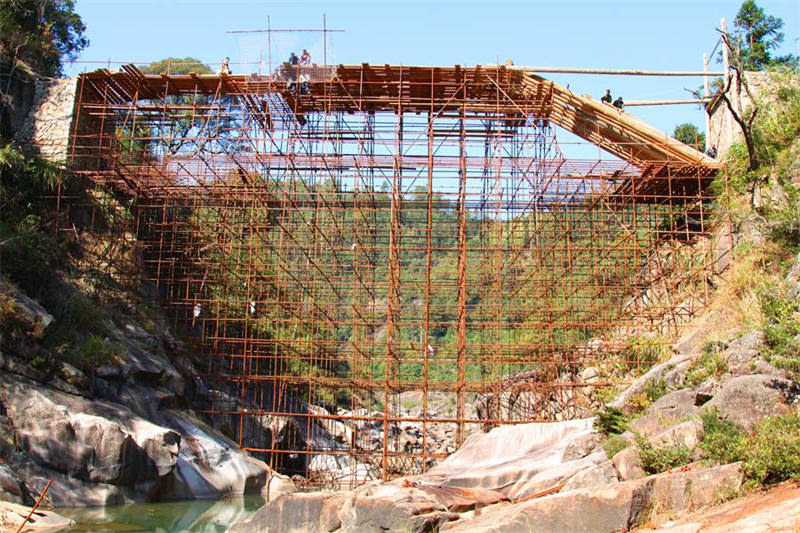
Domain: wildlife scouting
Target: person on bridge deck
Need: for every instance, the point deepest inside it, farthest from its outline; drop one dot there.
(619, 104)
(225, 68)
(606, 99)
(712, 151)
(305, 57)
(293, 62)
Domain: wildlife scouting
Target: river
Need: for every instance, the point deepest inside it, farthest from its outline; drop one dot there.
(207, 516)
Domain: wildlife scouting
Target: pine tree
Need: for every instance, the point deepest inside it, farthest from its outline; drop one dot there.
(756, 34)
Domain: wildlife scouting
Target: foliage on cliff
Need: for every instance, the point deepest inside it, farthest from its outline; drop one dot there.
(40, 34)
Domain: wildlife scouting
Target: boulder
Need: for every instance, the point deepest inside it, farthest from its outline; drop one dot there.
(74, 377)
(24, 312)
(615, 507)
(590, 374)
(628, 464)
(687, 434)
(66, 491)
(515, 460)
(95, 441)
(746, 400)
(429, 522)
(760, 366)
(777, 509)
(706, 390)
(743, 351)
(600, 474)
(675, 368)
(210, 465)
(10, 488)
(555, 475)
(311, 512)
(665, 412)
(581, 447)
(386, 507)
(458, 499)
(378, 507)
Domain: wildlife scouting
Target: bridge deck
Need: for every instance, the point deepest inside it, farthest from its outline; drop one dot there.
(507, 95)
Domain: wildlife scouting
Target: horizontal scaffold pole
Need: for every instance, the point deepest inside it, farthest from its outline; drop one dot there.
(610, 72)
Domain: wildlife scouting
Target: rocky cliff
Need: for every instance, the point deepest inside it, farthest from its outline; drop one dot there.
(115, 431)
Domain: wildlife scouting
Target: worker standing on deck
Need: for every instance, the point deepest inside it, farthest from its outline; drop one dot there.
(225, 68)
(293, 62)
(619, 104)
(606, 99)
(305, 57)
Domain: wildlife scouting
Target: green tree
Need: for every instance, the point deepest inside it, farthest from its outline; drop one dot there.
(40, 34)
(176, 65)
(176, 134)
(688, 133)
(756, 34)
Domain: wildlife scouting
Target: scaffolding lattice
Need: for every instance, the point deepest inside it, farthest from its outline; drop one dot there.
(378, 266)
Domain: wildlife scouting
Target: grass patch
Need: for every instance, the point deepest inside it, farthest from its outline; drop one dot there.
(638, 403)
(781, 327)
(655, 389)
(91, 353)
(657, 459)
(710, 363)
(615, 444)
(641, 353)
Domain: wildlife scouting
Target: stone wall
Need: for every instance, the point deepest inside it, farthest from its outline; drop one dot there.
(47, 125)
(723, 130)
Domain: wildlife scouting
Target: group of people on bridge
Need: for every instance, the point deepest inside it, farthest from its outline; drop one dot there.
(294, 63)
(294, 73)
(618, 103)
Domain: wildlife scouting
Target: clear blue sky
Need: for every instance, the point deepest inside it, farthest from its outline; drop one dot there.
(635, 34)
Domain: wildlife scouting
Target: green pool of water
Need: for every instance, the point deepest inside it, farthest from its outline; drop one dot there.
(207, 516)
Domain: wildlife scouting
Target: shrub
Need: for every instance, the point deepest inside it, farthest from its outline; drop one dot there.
(638, 403)
(781, 327)
(641, 353)
(92, 353)
(711, 362)
(611, 420)
(723, 441)
(657, 459)
(773, 452)
(783, 220)
(770, 454)
(655, 389)
(605, 394)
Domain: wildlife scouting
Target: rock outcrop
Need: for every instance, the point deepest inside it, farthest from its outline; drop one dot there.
(500, 482)
(99, 452)
(13, 516)
(774, 510)
(615, 507)
(746, 400)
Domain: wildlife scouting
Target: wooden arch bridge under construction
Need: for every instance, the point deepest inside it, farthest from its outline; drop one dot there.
(375, 261)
